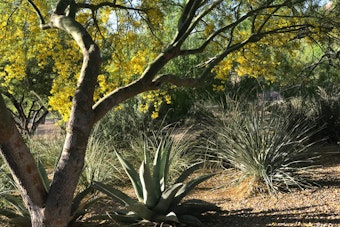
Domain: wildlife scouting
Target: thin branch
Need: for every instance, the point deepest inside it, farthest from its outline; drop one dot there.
(177, 81)
(37, 11)
(113, 4)
(227, 27)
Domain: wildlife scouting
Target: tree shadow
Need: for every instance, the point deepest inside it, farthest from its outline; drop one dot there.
(302, 216)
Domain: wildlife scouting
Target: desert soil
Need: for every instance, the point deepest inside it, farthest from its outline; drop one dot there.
(316, 206)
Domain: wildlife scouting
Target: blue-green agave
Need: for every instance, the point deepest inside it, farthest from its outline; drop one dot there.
(157, 200)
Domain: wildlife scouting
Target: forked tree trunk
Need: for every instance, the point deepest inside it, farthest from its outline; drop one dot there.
(53, 208)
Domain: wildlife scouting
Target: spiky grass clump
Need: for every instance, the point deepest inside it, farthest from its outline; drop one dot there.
(270, 153)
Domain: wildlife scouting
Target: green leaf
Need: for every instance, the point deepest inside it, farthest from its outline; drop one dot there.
(186, 188)
(133, 175)
(43, 175)
(167, 198)
(188, 172)
(161, 166)
(142, 211)
(165, 163)
(79, 197)
(82, 208)
(130, 217)
(114, 193)
(9, 214)
(190, 220)
(17, 203)
(149, 195)
(195, 207)
(171, 217)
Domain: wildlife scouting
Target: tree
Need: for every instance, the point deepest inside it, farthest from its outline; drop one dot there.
(28, 103)
(222, 29)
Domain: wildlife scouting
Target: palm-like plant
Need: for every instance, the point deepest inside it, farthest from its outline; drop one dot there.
(158, 200)
(266, 148)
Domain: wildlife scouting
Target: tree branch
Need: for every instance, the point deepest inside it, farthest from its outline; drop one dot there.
(21, 162)
(177, 81)
(95, 7)
(229, 26)
(43, 25)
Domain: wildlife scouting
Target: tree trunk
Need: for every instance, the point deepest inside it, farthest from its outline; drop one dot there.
(54, 208)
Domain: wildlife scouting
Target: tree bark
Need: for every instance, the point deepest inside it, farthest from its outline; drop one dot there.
(54, 208)
(22, 164)
(59, 200)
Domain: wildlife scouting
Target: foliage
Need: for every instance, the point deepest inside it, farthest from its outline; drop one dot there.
(122, 125)
(100, 162)
(46, 149)
(321, 108)
(158, 200)
(14, 208)
(328, 112)
(271, 153)
(129, 46)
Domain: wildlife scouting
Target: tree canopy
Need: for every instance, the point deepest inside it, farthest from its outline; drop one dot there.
(226, 38)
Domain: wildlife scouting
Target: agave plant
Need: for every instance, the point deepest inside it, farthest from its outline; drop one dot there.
(158, 200)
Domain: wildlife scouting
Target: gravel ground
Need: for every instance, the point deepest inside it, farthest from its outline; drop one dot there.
(317, 206)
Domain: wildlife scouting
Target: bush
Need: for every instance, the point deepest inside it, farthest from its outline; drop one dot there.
(328, 112)
(121, 126)
(271, 153)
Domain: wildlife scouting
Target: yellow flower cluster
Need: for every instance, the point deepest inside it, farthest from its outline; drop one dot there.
(154, 14)
(156, 99)
(260, 59)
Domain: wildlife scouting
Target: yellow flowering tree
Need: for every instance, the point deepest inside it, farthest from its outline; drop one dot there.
(104, 53)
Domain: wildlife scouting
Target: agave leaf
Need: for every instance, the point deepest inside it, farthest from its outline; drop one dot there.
(129, 217)
(149, 196)
(114, 193)
(170, 217)
(133, 175)
(20, 221)
(82, 209)
(161, 165)
(188, 172)
(195, 207)
(146, 155)
(79, 197)
(43, 175)
(165, 164)
(79, 206)
(142, 211)
(9, 214)
(166, 199)
(186, 188)
(17, 203)
(157, 171)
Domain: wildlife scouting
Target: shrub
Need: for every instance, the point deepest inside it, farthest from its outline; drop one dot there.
(328, 112)
(101, 164)
(121, 126)
(265, 147)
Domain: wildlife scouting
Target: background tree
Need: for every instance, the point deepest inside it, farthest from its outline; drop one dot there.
(29, 102)
(227, 34)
